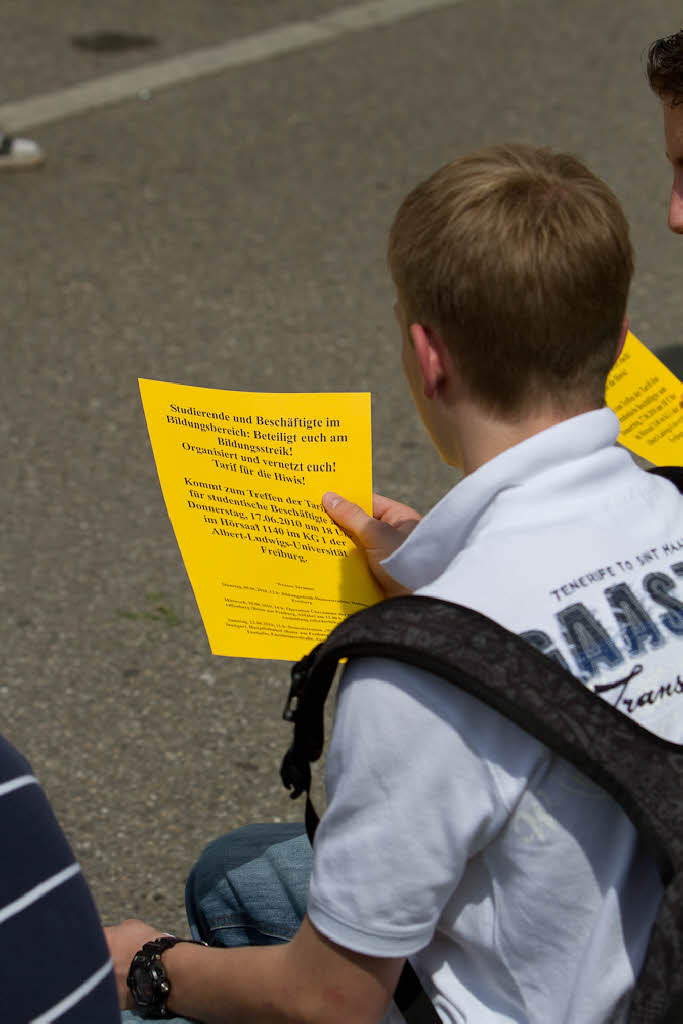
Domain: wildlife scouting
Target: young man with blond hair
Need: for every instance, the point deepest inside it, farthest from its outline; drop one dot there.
(518, 889)
(665, 74)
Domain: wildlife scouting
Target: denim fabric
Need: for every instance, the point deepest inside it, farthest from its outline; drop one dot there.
(248, 888)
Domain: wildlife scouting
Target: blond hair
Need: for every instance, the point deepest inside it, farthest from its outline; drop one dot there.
(521, 258)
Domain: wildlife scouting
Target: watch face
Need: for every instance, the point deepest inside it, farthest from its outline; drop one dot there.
(143, 985)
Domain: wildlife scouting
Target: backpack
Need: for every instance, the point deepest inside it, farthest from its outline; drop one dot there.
(643, 772)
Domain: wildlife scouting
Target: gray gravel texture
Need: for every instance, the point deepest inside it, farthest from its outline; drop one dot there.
(230, 233)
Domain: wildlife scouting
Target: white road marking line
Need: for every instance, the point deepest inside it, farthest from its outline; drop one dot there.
(125, 85)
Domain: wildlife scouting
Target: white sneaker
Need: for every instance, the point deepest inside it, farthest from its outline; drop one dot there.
(16, 153)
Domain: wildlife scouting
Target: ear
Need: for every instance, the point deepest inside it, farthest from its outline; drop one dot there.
(622, 338)
(432, 357)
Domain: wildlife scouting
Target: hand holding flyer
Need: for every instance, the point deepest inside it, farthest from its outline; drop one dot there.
(242, 476)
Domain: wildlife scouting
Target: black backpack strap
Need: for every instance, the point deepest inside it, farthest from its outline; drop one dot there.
(493, 664)
(672, 473)
(643, 772)
(412, 1000)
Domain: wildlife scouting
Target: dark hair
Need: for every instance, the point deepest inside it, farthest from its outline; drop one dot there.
(521, 257)
(665, 67)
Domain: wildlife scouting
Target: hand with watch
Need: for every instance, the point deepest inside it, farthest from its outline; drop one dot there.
(147, 978)
(141, 978)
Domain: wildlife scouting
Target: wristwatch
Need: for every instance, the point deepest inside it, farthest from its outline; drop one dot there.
(147, 978)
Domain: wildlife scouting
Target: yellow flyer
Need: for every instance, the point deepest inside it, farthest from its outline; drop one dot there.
(648, 399)
(242, 476)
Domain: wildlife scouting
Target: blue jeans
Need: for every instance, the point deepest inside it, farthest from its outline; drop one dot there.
(248, 888)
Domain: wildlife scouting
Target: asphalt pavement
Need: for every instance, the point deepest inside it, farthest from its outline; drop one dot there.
(228, 230)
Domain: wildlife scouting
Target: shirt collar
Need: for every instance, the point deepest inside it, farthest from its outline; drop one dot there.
(448, 526)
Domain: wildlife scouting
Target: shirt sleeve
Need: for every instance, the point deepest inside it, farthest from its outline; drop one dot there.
(413, 794)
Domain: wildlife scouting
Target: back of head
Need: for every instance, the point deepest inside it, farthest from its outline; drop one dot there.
(665, 68)
(521, 258)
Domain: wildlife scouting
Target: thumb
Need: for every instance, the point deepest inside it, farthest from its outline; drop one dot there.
(348, 516)
(375, 538)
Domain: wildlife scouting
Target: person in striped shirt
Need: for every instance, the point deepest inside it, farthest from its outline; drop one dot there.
(55, 964)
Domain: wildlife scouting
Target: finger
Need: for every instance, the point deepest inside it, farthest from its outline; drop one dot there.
(395, 513)
(375, 538)
(369, 534)
(348, 516)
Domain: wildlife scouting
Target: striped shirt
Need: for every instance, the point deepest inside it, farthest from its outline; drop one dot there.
(54, 961)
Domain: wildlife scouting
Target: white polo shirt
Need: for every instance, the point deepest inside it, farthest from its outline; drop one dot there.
(451, 835)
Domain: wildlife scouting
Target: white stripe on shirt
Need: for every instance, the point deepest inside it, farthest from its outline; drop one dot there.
(74, 997)
(21, 780)
(38, 891)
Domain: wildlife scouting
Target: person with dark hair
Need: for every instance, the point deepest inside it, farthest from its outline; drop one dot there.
(665, 75)
(519, 890)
